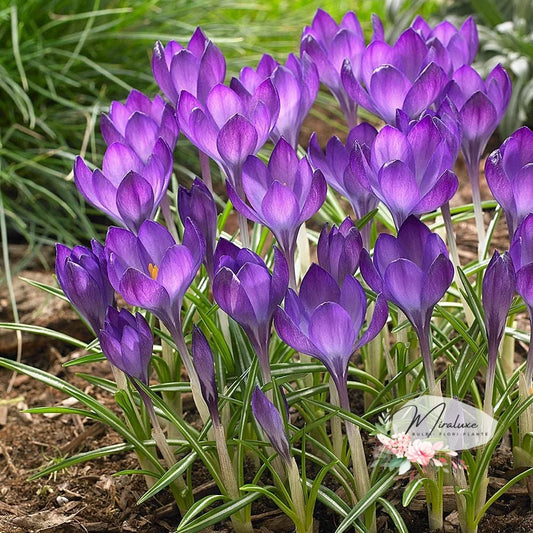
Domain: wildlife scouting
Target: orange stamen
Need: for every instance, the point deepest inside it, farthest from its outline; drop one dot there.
(154, 270)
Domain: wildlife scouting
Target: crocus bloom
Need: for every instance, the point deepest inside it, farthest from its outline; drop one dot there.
(409, 172)
(127, 342)
(151, 271)
(282, 195)
(335, 165)
(205, 368)
(296, 83)
(509, 173)
(198, 205)
(231, 125)
(521, 252)
(329, 44)
(396, 77)
(325, 321)
(497, 293)
(139, 123)
(481, 105)
(460, 44)
(82, 274)
(244, 288)
(195, 69)
(127, 189)
(270, 420)
(413, 271)
(339, 249)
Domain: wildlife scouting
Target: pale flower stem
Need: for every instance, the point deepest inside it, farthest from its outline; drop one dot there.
(454, 255)
(243, 230)
(180, 487)
(297, 496)
(206, 170)
(359, 463)
(240, 524)
(425, 348)
(336, 425)
(473, 176)
(169, 218)
(191, 372)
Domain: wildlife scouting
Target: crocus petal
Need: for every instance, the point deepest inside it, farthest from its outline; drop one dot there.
(441, 193)
(388, 87)
(425, 90)
(236, 140)
(404, 283)
(379, 319)
(135, 201)
(141, 134)
(292, 335)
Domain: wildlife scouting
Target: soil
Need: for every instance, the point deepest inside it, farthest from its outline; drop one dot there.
(89, 498)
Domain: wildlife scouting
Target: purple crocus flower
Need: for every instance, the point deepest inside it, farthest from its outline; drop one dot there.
(205, 368)
(335, 166)
(198, 205)
(409, 172)
(231, 125)
(481, 106)
(245, 289)
(509, 173)
(329, 44)
(82, 274)
(339, 249)
(151, 271)
(139, 123)
(401, 76)
(325, 321)
(521, 252)
(195, 69)
(127, 189)
(297, 86)
(413, 271)
(270, 420)
(460, 45)
(282, 195)
(498, 289)
(127, 342)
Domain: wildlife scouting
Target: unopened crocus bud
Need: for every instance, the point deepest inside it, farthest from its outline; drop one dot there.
(245, 289)
(270, 420)
(205, 368)
(339, 250)
(198, 205)
(82, 274)
(498, 289)
(127, 342)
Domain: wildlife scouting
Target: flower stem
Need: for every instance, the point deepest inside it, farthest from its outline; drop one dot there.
(425, 349)
(473, 176)
(239, 521)
(297, 496)
(206, 170)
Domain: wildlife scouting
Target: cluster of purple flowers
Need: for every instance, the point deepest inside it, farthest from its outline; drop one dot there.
(433, 103)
